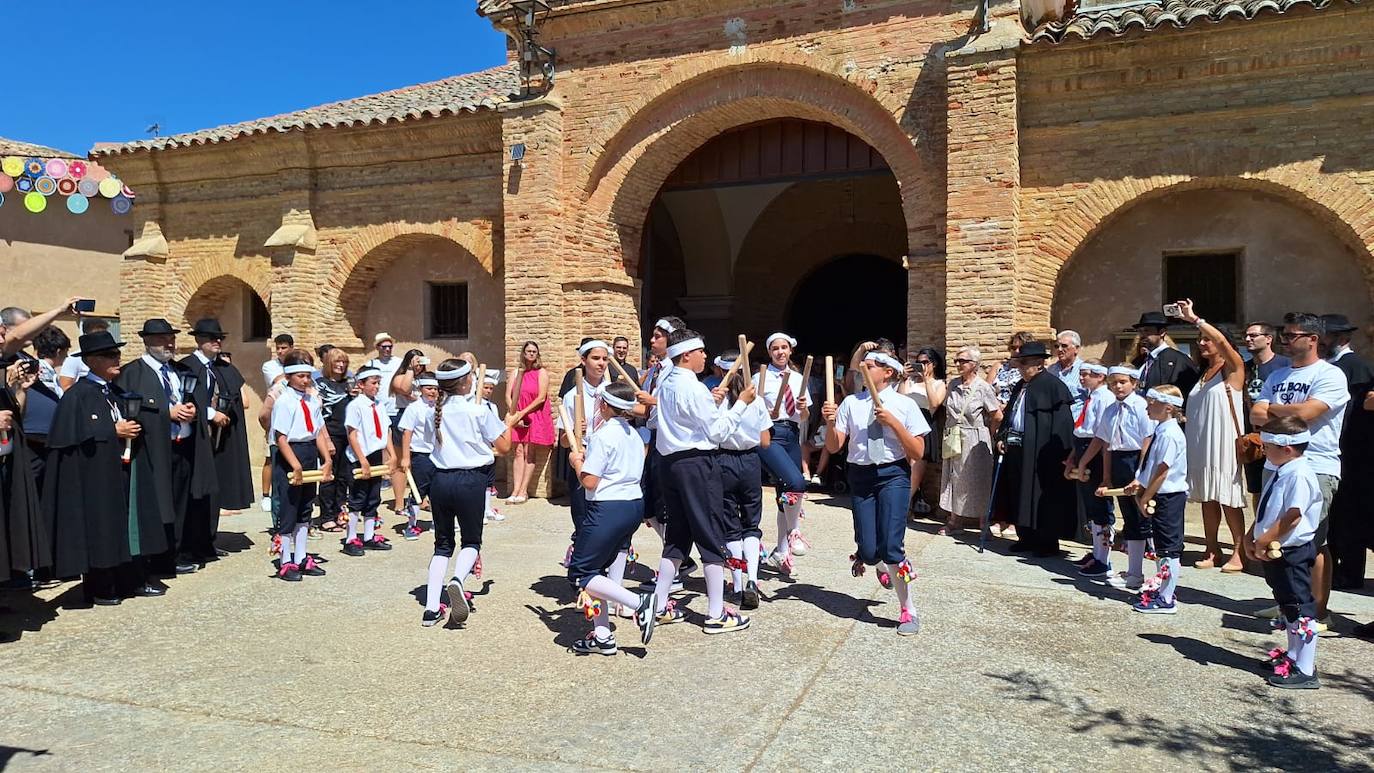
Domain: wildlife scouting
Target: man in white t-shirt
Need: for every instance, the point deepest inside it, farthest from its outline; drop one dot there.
(388, 366)
(1315, 391)
(73, 369)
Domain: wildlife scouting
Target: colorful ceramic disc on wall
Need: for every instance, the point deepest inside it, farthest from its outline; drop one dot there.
(12, 165)
(76, 170)
(66, 186)
(88, 188)
(76, 203)
(34, 167)
(45, 185)
(128, 192)
(6, 183)
(57, 168)
(120, 205)
(24, 184)
(110, 187)
(2, 199)
(35, 202)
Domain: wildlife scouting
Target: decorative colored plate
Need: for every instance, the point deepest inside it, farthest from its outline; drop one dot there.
(57, 168)
(110, 187)
(45, 185)
(34, 167)
(23, 184)
(128, 192)
(120, 205)
(76, 170)
(12, 165)
(6, 183)
(88, 188)
(76, 203)
(66, 186)
(35, 202)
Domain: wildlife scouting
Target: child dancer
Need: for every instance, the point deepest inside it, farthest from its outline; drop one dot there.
(609, 472)
(742, 478)
(465, 437)
(785, 397)
(369, 443)
(595, 356)
(882, 443)
(1123, 431)
(1097, 562)
(1163, 479)
(691, 426)
(297, 429)
(1288, 515)
(417, 443)
(489, 382)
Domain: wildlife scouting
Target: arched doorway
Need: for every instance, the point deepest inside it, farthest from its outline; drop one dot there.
(736, 230)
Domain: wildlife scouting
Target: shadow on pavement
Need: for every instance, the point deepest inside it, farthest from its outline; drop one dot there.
(834, 603)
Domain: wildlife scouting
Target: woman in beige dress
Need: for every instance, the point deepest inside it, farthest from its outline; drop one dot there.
(972, 413)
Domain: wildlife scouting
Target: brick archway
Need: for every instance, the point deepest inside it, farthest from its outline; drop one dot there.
(207, 285)
(633, 162)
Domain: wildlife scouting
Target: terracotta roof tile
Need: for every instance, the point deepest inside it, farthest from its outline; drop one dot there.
(463, 93)
(10, 147)
(1177, 14)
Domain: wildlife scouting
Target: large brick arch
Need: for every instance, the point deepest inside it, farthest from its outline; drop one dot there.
(1336, 201)
(630, 165)
(208, 284)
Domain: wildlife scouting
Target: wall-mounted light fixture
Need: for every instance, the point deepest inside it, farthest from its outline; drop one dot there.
(536, 61)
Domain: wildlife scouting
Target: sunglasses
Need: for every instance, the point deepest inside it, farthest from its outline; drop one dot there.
(961, 361)
(1062, 346)
(1258, 335)
(922, 362)
(1288, 337)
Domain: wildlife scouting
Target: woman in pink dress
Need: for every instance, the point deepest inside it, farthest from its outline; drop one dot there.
(527, 391)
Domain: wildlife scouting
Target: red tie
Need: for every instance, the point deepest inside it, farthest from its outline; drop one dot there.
(789, 403)
(1083, 414)
(376, 421)
(309, 422)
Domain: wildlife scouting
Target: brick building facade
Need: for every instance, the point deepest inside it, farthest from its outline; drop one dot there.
(1059, 177)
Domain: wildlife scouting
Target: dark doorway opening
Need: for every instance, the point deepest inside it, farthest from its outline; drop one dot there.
(850, 299)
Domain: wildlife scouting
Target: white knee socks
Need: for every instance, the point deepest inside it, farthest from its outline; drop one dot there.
(467, 558)
(736, 549)
(784, 546)
(751, 557)
(302, 534)
(286, 547)
(616, 572)
(715, 589)
(1302, 648)
(667, 572)
(491, 494)
(353, 520)
(608, 590)
(1102, 543)
(1173, 566)
(791, 509)
(369, 528)
(438, 565)
(1135, 555)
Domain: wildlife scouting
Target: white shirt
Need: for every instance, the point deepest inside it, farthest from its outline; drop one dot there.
(210, 411)
(1018, 412)
(1319, 381)
(653, 382)
(272, 370)
(589, 413)
(288, 416)
(1168, 447)
(467, 431)
(1098, 402)
(419, 420)
(1125, 424)
(183, 428)
(752, 425)
(73, 368)
(855, 419)
(688, 417)
(1341, 351)
(389, 370)
(364, 416)
(772, 389)
(1292, 485)
(615, 454)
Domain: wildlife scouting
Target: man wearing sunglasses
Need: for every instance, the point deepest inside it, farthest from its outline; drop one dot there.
(1315, 391)
(1260, 339)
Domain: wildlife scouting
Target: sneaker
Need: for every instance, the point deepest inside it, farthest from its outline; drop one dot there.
(458, 613)
(378, 542)
(784, 566)
(670, 615)
(1084, 560)
(1095, 568)
(310, 568)
(267, 504)
(314, 533)
(645, 619)
(1155, 606)
(412, 533)
(1126, 581)
(289, 572)
(1295, 680)
(430, 619)
(909, 624)
(1268, 613)
(590, 645)
(729, 622)
(354, 547)
(749, 599)
(798, 544)
(652, 585)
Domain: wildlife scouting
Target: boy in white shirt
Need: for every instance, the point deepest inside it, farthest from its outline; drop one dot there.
(741, 467)
(1282, 540)
(369, 443)
(1163, 480)
(297, 430)
(1098, 511)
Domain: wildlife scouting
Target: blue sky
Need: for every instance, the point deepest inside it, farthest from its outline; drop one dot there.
(93, 71)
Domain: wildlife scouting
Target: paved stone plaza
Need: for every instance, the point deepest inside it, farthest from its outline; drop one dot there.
(1017, 664)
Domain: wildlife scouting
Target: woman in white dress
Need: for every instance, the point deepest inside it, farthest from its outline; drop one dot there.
(1214, 411)
(972, 411)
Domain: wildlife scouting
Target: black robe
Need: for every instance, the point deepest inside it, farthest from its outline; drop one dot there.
(24, 536)
(1036, 494)
(233, 472)
(1352, 509)
(85, 491)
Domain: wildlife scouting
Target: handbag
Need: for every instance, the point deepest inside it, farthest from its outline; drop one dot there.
(952, 444)
(1249, 447)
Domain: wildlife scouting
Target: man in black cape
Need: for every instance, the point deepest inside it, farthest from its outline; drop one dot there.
(219, 400)
(1158, 362)
(95, 532)
(24, 545)
(172, 463)
(1352, 508)
(1035, 438)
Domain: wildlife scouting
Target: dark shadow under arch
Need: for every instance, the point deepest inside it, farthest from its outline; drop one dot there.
(849, 299)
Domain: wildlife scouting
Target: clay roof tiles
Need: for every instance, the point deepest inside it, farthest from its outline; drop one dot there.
(1146, 17)
(9, 147)
(471, 93)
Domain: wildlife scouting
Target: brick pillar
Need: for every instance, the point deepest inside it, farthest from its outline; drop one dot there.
(533, 242)
(146, 283)
(984, 184)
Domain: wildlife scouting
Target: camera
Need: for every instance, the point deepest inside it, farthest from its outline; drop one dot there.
(1172, 310)
(84, 306)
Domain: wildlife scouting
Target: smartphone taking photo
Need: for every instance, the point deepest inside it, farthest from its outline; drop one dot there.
(84, 306)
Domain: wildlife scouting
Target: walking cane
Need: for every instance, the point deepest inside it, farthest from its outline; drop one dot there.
(986, 525)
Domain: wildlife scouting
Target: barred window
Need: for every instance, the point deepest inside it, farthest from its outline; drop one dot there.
(448, 310)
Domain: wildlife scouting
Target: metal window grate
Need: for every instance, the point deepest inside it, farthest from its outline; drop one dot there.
(448, 310)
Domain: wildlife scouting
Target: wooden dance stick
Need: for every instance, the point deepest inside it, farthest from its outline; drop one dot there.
(568, 423)
(619, 371)
(806, 375)
(579, 407)
(872, 388)
(763, 372)
(1275, 550)
(414, 489)
(1121, 492)
(787, 374)
(478, 381)
(744, 348)
(1074, 474)
(829, 378)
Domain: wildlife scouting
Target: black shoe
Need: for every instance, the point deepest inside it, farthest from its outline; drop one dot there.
(310, 569)
(354, 547)
(186, 568)
(749, 599)
(103, 602)
(590, 645)
(1296, 680)
(645, 617)
(221, 552)
(1020, 546)
(378, 542)
(149, 590)
(290, 573)
(430, 619)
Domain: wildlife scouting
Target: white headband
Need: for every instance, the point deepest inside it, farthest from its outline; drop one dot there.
(493, 375)
(724, 364)
(424, 382)
(1286, 440)
(367, 373)
(615, 402)
(457, 373)
(884, 358)
(1119, 370)
(1160, 397)
(590, 345)
(301, 368)
(690, 345)
(1100, 370)
(665, 326)
(768, 344)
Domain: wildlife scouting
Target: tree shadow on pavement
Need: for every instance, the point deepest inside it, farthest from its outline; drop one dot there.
(1276, 732)
(834, 603)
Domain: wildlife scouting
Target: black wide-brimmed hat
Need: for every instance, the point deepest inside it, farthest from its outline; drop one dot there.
(1032, 349)
(1152, 319)
(207, 328)
(1337, 323)
(95, 343)
(156, 327)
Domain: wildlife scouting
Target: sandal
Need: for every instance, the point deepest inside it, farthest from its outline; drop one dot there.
(330, 527)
